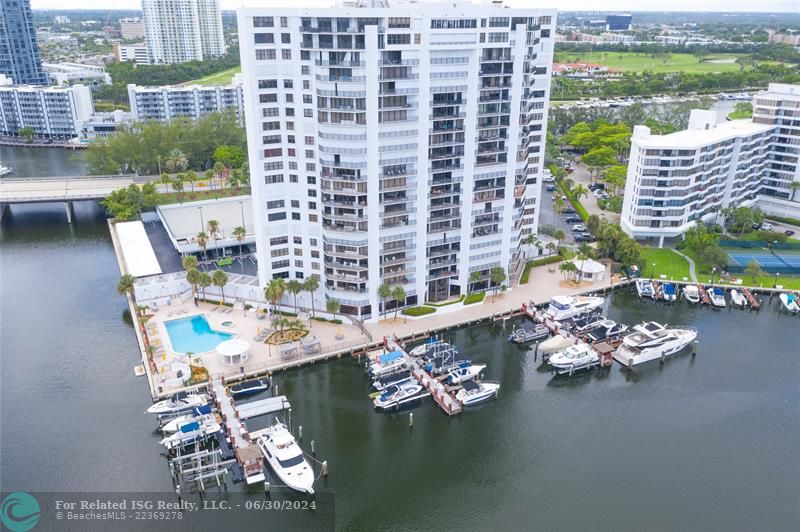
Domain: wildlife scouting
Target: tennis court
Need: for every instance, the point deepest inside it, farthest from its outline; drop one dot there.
(768, 261)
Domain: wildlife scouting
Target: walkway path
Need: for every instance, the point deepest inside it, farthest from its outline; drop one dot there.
(692, 273)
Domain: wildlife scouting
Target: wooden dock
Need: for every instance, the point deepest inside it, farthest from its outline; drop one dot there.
(439, 392)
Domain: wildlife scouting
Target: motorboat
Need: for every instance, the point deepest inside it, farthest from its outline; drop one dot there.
(179, 402)
(431, 344)
(563, 307)
(752, 300)
(669, 292)
(286, 458)
(474, 393)
(522, 335)
(587, 323)
(388, 363)
(197, 414)
(738, 299)
(555, 344)
(465, 373)
(446, 364)
(5, 170)
(691, 294)
(608, 330)
(644, 288)
(575, 357)
(395, 396)
(383, 382)
(717, 297)
(250, 387)
(789, 302)
(192, 431)
(651, 341)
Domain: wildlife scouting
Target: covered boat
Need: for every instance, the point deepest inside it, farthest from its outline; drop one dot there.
(738, 299)
(691, 294)
(388, 363)
(250, 387)
(555, 344)
(524, 336)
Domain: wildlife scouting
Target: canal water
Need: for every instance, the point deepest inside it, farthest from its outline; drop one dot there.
(42, 162)
(703, 443)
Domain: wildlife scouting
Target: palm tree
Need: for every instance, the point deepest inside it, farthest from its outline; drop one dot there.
(399, 295)
(311, 285)
(384, 292)
(333, 306)
(236, 178)
(125, 284)
(189, 262)
(567, 269)
(294, 287)
(177, 186)
(552, 247)
(166, 180)
(239, 233)
(497, 276)
(202, 240)
(193, 278)
(177, 160)
(191, 177)
(794, 186)
(218, 168)
(559, 205)
(210, 178)
(204, 281)
(213, 230)
(220, 278)
(474, 277)
(274, 292)
(559, 235)
(580, 191)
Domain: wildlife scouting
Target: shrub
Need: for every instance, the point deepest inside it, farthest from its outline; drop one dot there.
(526, 272)
(418, 311)
(784, 219)
(459, 300)
(477, 297)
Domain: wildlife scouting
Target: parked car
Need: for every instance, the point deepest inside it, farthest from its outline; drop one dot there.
(597, 186)
(569, 210)
(584, 237)
(572, 219)
(578, 228)
(788, 232)
(766, 226)
(550, 188)
(602, 195)
(548, 179)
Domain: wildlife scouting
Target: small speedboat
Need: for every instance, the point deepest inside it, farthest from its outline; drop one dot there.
(250, 387)
(575, 357)
(286, 458)
(178, 403)
(5, 170)
(789, 302)
(474, 393)
(466, 373)
(644, 288)
(388, 363)
(430, 345)
(525, 336)
(192, 431)
(691, 294)
(197, 414)
(608, 330)
(738, 299)
(383, 382)
(398, 395)
(669, 292)
(717, 297)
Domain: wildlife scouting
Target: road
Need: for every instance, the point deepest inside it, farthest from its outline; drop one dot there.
(548, 216)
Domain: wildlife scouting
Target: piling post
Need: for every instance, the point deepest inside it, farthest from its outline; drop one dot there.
(313, 449)
(663, 357)
(411, 419)
(266, 489)
(300, 432)
(325, 468)
(694, 347)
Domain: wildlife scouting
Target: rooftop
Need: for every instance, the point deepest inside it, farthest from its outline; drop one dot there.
(183, 221)
(699, 136)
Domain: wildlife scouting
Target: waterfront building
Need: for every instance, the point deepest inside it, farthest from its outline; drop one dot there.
(19, 49)
(131, 28)
(103, 125)
(391, 144)
(50, 111)
(618, 22)
(177, 31)
(677, 180)
(72, 73)
(131, 52)
(164, 103)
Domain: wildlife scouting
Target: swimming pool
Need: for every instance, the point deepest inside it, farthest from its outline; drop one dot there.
(194, 335)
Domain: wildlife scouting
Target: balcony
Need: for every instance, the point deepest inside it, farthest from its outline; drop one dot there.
(343, 227)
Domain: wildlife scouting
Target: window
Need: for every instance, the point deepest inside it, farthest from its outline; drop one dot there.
(305, 70)
(312, 205)
(290, 111)
(286, 38)
(276, 216)
(278, 165)
(399, 22)
(296, 216)
(284, 22)
(311, 180)
(286, 54)
(279, 252)
(292, 178)
(311, 167)
(298, 264)
(307, 98)
(290, 139)
(295, 204)
(315, 254)
(312, 193)
(293, 166)
(308, 113)
(278, 240)
(309, 140)
(298, 275)
(313, 218)
(313, 241)
(297, 239)
(272, 111)
(290, 98)
(267, 98)
(265, 55)
(268, 84)
(270, 126)
(264, 38)
(280, 264)
(398, 38)
(263, 22)
(305, 55)
(288, 84)
(309, 154)
(306, 84)
(271, 139)
(445, 24)
(274, 152)
(298, 252)
(272, 179)
(290, 126)
(291, 152)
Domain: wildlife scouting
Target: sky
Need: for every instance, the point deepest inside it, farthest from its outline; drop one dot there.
(762, 6)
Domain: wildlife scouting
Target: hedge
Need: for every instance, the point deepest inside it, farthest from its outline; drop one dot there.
(476, 297)
(337, 321)
(783, 219)
(576, 203)
(418, 311)
(459, 300)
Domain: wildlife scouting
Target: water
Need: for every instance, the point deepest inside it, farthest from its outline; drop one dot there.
(194, 335)
(39, 162)
(704, 443)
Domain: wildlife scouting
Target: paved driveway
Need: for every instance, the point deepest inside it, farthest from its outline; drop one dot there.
(581, 175)
(548, 216)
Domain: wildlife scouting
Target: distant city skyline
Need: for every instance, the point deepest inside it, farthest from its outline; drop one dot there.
(767, 6)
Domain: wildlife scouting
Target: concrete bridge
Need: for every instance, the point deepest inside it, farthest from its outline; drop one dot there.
(60, 190)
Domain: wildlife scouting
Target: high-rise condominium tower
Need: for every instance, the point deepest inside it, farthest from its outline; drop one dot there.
(177, 31)
(19, 50)
(395, 143)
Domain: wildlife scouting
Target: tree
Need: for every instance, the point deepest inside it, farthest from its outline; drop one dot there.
(399, 296)
(204, 281)
(794, 186)
(715, 257)
(753, 269)
(210, 178)
(189, 262)
(592, 223)
(230, 156)
(239, 233)
(218, 169)
(559, 205)
(552, 247)
(698, 238)
(125, 284)
(474, 277)
(149, 194)
(166, 180)
(559, 235)
(190, 177)
(213, 230)
(176, 161)
(294, 287)
(124, 204)
(384, 292)
(333, 306)
(26, 133)
(274, 292)
(193, 278)
(497, 275)
(177, 186)
(311, 285)
(568, 269)
(580, 191)
(615, 177)
(600, 157)
(219, 278)
(202, 241)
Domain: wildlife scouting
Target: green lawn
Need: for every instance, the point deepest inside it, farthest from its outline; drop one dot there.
(639, 62)
(218, 78)
(666, 262)
(740, 115)
(767, 281)
(198, 194)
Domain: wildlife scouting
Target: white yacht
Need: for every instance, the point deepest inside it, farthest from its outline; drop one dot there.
(474, 393)
(5, 170)
(398, 395)
(462, 374)
(387, 364)
(555, 344)
(563, 307)
(178, 403)
(644, 288)
(578, 356)
(717, 297)
(737, 298)
(286, 458)
(789, 302)
(179, 422)
(650, 341)
(691, 293)
(191, 431)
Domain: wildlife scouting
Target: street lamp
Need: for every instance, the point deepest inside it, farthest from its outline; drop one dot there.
(202, 224)
(653, 271)
(777, 274)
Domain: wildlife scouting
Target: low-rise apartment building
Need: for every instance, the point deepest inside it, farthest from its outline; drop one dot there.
(165, 103)
(57, 112)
